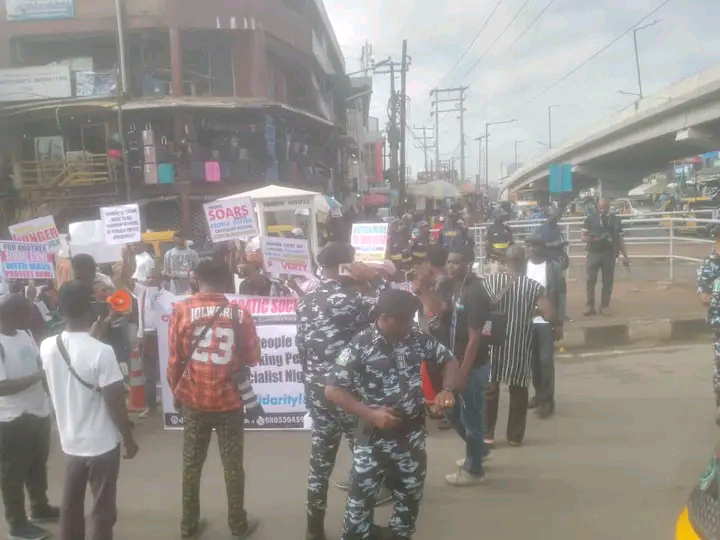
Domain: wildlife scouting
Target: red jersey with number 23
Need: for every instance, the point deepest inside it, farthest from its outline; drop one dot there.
(203, 381)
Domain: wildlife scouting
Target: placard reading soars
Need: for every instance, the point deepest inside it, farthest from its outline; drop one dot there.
(40, 230)
(286, 256)
(229, 219)
(21, 260)
(121, 224)
(369, 241)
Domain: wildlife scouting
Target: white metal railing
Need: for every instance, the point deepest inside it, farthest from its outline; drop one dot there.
(658, 235)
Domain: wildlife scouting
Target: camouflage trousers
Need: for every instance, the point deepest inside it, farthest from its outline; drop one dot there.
(199, 426)
(329, 424)
(402, 459)
(716, 375)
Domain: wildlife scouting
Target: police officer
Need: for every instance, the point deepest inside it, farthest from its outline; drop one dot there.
(498, 238)
(328, 318)
(419, 244)
(708, 284)
(603, 233)
(378, 378)
(455, 234)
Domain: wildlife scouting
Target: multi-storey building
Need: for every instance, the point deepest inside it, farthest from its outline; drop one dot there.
(204, 98)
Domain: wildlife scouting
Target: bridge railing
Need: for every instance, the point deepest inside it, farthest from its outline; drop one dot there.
(675, 240)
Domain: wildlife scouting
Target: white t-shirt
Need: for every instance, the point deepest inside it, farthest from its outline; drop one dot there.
(538, 272)
(20, 359)
(150, 305)
(144, 264)
(84, 423)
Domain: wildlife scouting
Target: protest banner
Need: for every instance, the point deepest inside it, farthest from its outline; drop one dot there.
(40, 230)
(121, 224)
(22, 260)
(286, 256)
(277, 380)
(369, 241)
(231, 219)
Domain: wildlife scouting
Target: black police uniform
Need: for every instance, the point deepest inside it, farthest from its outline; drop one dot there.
(601, 255)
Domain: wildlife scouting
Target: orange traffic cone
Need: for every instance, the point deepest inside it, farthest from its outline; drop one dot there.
(136, 401)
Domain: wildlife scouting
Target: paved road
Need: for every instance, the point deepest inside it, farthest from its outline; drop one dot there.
(632, 434)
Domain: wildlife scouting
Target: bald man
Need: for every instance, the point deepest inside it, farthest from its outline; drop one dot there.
(603, 234)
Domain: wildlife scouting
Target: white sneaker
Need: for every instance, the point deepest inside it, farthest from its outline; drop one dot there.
(463, 478)
(460, 463)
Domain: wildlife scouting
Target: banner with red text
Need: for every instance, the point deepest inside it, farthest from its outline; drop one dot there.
(22, 260)
(277, 380)
(370, 241)
(230, 219)
(290, 256)
(40, 230)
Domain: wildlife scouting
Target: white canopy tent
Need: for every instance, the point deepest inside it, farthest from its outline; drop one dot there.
(274, 198)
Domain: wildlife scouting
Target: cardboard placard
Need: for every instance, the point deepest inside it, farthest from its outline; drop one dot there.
(121, 224)
(40, 230)
(22, 260)
(289, 256)
(231, 219)
(370, 241)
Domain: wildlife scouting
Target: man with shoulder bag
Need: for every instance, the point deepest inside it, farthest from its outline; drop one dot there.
(211, 345)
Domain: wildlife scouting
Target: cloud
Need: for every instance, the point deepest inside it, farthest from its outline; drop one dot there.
(683, 42)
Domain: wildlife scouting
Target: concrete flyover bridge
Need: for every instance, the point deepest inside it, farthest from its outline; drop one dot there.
(680, 121)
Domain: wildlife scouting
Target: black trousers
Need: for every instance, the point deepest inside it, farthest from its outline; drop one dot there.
(517, 415)
(151, 367)
(605, 263)
(101, 472)
(543, 363)
(24, 450)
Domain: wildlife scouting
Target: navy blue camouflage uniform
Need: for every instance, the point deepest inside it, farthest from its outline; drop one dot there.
(328, 318)
(379, 373)
(708, 282)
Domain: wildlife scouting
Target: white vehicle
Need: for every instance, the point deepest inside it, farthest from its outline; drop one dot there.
(632, 206)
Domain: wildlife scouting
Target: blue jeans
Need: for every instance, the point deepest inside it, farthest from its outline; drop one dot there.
(468, 418)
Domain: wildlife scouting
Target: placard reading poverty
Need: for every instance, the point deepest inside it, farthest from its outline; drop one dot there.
(40, 230)
(286, 256)
(229, 219)
(21, 260)
(277, 380)
(121, 224)
(369, 241)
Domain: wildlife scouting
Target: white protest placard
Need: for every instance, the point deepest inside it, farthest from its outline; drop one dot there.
(231, 219)
(369, 241)
(277, 380)
(21, 260)
(289, 256)
(121, 224)
(40, 230)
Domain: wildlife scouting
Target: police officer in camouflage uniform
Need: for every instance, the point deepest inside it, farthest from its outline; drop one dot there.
(328, 318)
(378, 378)
(708, 285)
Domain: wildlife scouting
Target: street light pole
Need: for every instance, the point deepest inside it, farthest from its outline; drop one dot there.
(550, 108)
(637, 55)
(487, 144)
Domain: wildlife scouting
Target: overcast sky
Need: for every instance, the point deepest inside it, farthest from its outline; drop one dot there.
(511, 75)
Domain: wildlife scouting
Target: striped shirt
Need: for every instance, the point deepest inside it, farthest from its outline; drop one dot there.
(510, 363)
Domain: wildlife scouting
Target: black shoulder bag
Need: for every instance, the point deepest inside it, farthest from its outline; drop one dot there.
(66, 357)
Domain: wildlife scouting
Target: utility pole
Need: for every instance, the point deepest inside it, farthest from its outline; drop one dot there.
(477, 182)
(393, 131)
(516, 158)
(550, 108)
(458, 99)
(403, 127)
(424, 145)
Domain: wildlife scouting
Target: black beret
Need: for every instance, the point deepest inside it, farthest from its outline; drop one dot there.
(335, 254)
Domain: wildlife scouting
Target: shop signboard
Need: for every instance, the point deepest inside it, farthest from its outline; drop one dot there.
(33, 10)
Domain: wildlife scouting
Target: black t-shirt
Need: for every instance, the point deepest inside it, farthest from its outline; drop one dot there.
(469, 308)
(607, 228)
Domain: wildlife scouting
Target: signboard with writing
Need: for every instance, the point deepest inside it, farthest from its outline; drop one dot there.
(229, 219)
(291, 203)
(29, 10)
(121, 224)
(40, 230)
(286, 256)
(277, 380)
(369, 241)
(33, 83)
(21, 260)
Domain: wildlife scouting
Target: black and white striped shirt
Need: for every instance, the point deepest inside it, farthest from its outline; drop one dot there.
(510, 363)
